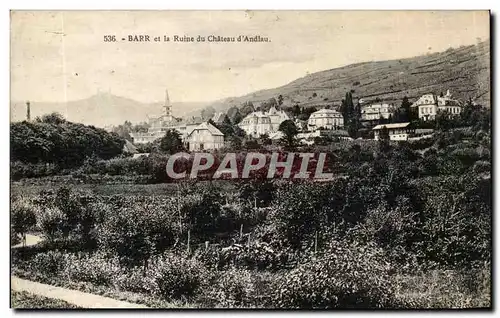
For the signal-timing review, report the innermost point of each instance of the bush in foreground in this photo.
(178, 277)
(346, 276)
(231, 288)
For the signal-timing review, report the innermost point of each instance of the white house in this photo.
(399, 131)
(204, 136)
(429, 105)
(325, 118)
(377, 111)
(259, 122)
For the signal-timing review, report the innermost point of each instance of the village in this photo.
(326, 123)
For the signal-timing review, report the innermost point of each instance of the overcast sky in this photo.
(58, 56)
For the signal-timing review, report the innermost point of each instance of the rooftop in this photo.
(326, 111)
(391, 126)
(211, 128)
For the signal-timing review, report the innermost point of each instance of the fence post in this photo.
(206, 245)
(241, 232)
(179, 208)
(189, 239)
(315, 242)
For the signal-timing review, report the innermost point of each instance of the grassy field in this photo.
(21, 188)
(24, 300)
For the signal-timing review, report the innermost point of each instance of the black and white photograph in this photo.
(250, 159)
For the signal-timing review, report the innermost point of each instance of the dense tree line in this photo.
(53, 140)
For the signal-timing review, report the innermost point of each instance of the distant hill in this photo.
(465, 71)
(101, 109)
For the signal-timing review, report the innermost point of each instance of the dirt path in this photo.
(75, 297)
(30, 240)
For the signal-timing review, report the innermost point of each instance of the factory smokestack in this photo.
(28, 111)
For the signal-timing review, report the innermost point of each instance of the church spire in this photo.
(168, 104)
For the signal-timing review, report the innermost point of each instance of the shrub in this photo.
(136, 280)
(482, 166)
(95, 268)
(14, 238)
(299, 210)
(261, 255)
(212, 258)
(202, 213)
(50, 263)
(23, 217)
(77, 213)
(346, 276)
(178, 277)
(51, 222)
(259, 192)
(445, 289)
(231, 288)
(135, 233)
(393, 229)
(19, 170)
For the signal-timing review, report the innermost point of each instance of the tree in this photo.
(237, 118)
(352, 128)
(355, 123)
(406, 105)
(66, 144)
(23, 218)
(289, 131)
(383, 139)
(266, 105)
(171, 142)
(306, 112)
(234, 115)
(53, 118)
(384, 133)
(296, 110)
(400, 116)
(357, 111)
(207, 112)
(124, 130)
(280, 100)
(382, 120)
(251, 144)
(265, 140)
(247, 108)
(347, 107)
(236, 142)
(272, 102)
(443, 121)
(141, 127)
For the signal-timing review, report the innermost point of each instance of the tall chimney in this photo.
(28, 111)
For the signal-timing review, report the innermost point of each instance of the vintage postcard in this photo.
(250, 159)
